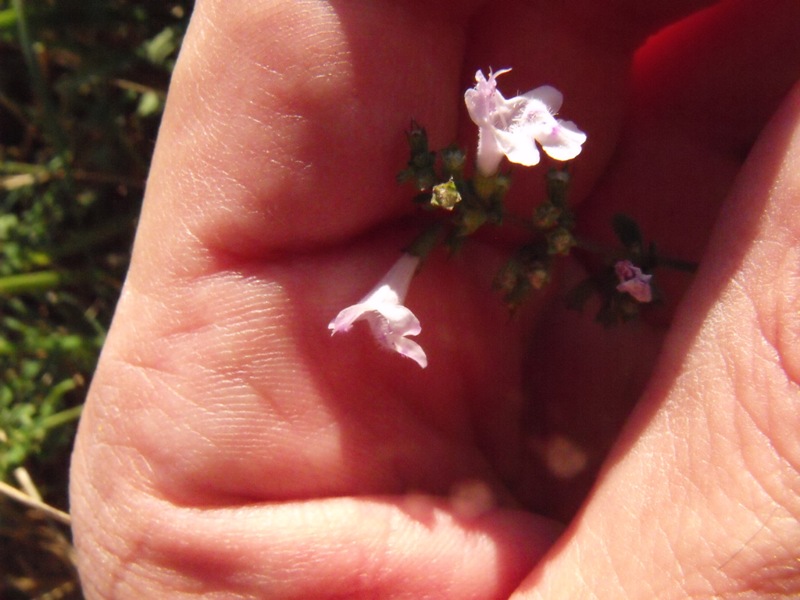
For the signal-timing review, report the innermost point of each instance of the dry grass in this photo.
(36, 553)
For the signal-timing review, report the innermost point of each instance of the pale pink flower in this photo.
(633, 281)
(512, 127)
(383, 309)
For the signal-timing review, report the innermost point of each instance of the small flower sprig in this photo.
(513, 129)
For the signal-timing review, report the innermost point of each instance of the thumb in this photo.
(701, 496)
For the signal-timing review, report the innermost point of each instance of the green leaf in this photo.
(8, 18)
(150, 103)
(628, 232)
(160, 47)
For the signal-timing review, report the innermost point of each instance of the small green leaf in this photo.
(150, 103)
(161, 46)
(628, 232)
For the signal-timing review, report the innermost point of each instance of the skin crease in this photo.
(230, 448)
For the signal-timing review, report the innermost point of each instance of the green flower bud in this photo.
(420, 168)
(501, 185)
(453, 159)
(484, 186)
(538, 276)
(508, 277)
(560, 241)
(446, 195)
(471, 220)
(546, 215)
(557, 185)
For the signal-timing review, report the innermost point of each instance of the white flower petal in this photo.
(399, 276)
(396, 319)
(384, 293)
(547, 95)
(638, 289)
(490, 154)
(388, 319)
(411, 349)
(564, 141)
(519, 149)
(633, 281)
(346, 317)
(477, 109)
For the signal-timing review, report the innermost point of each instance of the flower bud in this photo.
(557, 185)
(453, 160)
(420, 168)
(546, 215)
(446, 195)
(538, 275)
(484, 185)
(560, 241)
(471, 220)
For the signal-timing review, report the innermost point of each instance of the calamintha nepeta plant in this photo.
(509, 128)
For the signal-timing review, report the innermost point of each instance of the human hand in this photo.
(230, 448)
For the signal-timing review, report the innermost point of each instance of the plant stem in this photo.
(37, 80)
(425, 242)
(595, 248)
(117, 227)
(65, 416)
(39, 281)
(677, 264)
(23, 498)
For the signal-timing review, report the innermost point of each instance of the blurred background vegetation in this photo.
(82, 87)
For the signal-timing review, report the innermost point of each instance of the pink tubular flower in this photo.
(512, 127)
(383, 309)
(633, 281)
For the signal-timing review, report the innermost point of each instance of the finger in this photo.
(370, 547)
(313, 105)
(203, 319)
(685, 139)
(696, 110)
(700, 496)
(585, 50)
(287, 129)
(215, 387)
(254, 331)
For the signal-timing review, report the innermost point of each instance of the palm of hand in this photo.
(262, 457)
